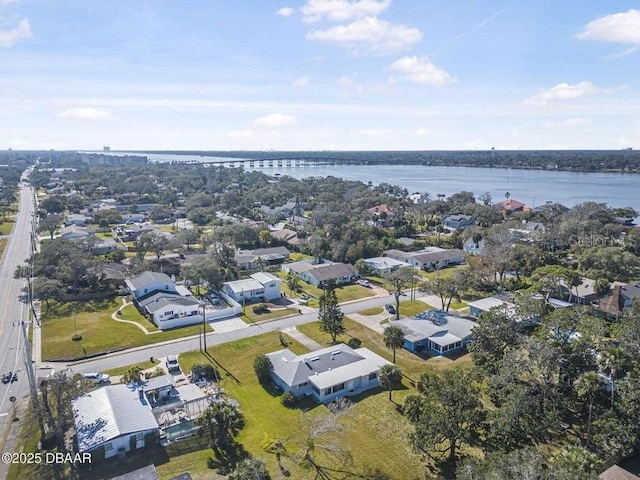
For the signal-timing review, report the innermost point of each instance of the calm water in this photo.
(533, 187)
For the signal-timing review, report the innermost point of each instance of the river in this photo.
(533, 187)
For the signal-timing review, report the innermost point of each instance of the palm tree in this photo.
(507, 195)
(393, 338)
(389, 376)
(587, 387)
(222, 421)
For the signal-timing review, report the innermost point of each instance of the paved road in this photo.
(174, 347)
(13, 310)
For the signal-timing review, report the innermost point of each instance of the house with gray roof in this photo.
(260, 257)
(171, 311)
(429, 258)
(458, 221)
(384, 266)
(260, 286)
(435, 331)
(149, 282)
(327, 374)
(114, 418)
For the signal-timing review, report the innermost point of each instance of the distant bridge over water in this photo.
(269, 163)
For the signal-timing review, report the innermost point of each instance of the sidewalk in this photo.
(308, 342)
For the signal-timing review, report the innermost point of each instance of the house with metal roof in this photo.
(260, 286)
(115, 418)
(327, 374)
(171, 311)
(429, 258)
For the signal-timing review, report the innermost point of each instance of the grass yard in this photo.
(410, 364)
(411, 307)
(132, 314)
(444, 273)
(297, 256)
(143, 365)
(250, 316)
(3, 245)
(100, 333)
(458, 305)
(5, 227)
(374, 430)
(372, 311)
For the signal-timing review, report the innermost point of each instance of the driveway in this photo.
(228, 325)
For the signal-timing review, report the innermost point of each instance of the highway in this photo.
(14, 308)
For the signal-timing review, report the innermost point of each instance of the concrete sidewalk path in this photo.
(308, 342)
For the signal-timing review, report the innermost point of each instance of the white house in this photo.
(429, 258)
(260, 286)
(435, 331)
(114, 418)
(322, 273)
(472, 247)
(383, 266)
(327, 374)
(171, 311)
(149, 282)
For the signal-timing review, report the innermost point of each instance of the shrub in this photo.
(158, 372)
(260, 308)
(354, 342)
(288, 400)
(201, 371)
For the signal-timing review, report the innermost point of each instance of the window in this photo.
(373, 376)
(139, 436)
(108, 446)
(337, 388)
(327, 391)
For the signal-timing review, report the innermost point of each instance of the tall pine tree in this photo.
(330, 316)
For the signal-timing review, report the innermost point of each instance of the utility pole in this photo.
(204, 328)
(30, 373)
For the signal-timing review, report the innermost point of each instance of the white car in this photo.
(172, 363)
(97, 377)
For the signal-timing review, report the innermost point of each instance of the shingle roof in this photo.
(617, 473)
(109, 412)
(145, 278)
(437, 256)
(454, 330)
(331, 271)
(163, 302)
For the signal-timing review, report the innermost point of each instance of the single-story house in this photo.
(72, 232)
(260, 286)
(107, 245)
(171, 311)
(260, 257)
(319, 274)
(429, 258)
(435, 331)
(77, 219)
(383, 266)
(582, 294)
(485, 304)
(612, 305)
(528, 231)
(630, 292)
(472, 247)
(149, 282)
(406, 241)
(130, 218)
(458, 221)
(381, 215)
(288, 236)
(327, 374)
(113, 418)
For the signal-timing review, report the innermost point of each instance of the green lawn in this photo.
(458, 305)
(142, 365)
(372, 311)
(345, 293)
(3, 244)
(411, 307)
(100, 333)
(252, 317)
(375, 432)
(444, 273)
(5, 227)
(132, 314)
(410, 364)
(297, 256)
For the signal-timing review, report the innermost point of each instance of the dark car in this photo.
(6, 378)
(390, 308)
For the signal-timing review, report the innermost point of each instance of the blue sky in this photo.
(319, 74)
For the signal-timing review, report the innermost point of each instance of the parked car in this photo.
(364, 283)
(6, 378)
(97, 377)
(390, 308)
(172, 363)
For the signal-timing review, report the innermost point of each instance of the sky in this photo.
(319, 74)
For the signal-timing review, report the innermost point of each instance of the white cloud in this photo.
(422, 132)
(341, 10)
(8, 38)
(370, 35)
(616, 28)
(285, 12)
(85, 114)
(7, 2)
(563, 91)
(376, 133)
(569, 122)
(240, 134)
(276, 120)
(345, 82)
(420, 70)
(301, 81)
